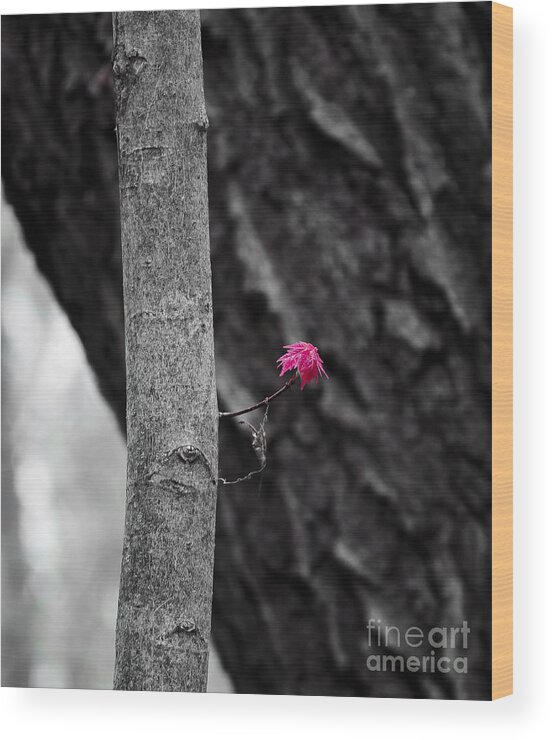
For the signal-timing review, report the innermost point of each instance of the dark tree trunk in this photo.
(349, 170)
(59, 167)
(165, 601)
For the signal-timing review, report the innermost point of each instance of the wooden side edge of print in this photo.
(502, 353)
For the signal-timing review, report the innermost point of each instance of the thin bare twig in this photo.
(259, 445)
(264, 402)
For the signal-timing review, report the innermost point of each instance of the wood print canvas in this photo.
(256, 350)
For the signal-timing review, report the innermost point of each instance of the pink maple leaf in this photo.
(304, 358)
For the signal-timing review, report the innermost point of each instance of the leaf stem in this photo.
(264, 402)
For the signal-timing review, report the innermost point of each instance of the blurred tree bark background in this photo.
(349, 182)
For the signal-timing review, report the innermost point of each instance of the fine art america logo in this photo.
(436, 650)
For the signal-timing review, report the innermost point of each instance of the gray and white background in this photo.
(349, 175)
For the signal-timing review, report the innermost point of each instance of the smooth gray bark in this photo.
(167, 569)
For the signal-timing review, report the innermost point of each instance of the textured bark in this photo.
(349, 154)
(164, 619)
(349, 188)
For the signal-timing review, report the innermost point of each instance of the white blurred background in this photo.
(63, 484)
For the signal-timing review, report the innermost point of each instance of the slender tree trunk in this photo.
(167, 570)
